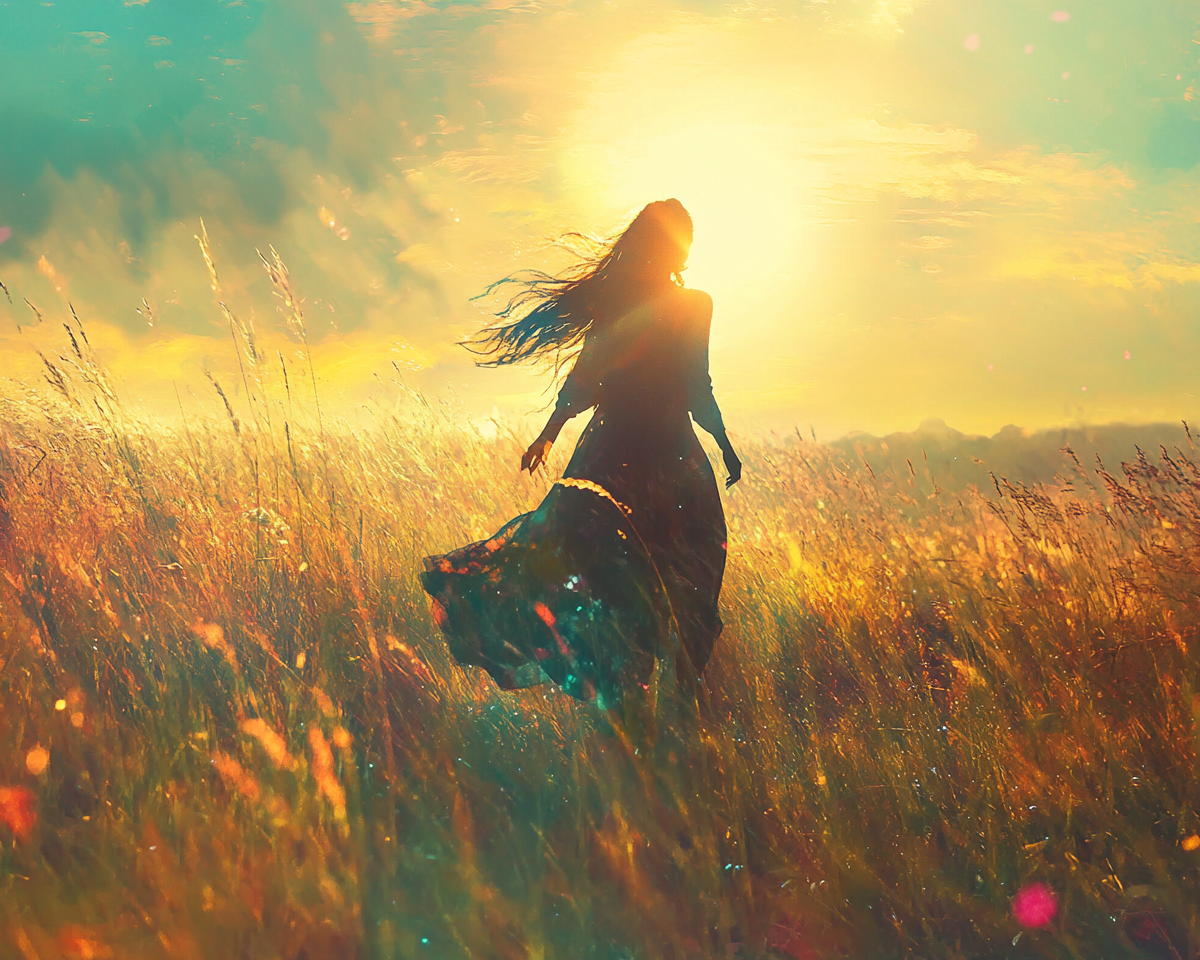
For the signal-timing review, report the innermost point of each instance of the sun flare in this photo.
(743, 187)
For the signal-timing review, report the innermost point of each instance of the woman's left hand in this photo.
(535, 456)
(733, 465)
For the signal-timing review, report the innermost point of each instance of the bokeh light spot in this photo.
(37, 759)
(1035, 905)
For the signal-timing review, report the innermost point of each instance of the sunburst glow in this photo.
(744, 189)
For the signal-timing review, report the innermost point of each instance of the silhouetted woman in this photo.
(621, 563)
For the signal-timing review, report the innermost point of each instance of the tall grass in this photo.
(228, 727)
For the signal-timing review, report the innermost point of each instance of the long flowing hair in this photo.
(547, 317)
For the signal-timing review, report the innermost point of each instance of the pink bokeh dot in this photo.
(5, 233)
(1035, 905)
(1060, 16)
(972, 42)
(1126, 354)
(1029, 48)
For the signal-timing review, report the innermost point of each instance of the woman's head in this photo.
(608, 280)
(657, 242)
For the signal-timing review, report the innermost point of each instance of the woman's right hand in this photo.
(733, 465)
(535, 456)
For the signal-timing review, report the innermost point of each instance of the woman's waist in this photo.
(663, 405)
(650, 432)
(646, 419)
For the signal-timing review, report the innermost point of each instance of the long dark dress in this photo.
(622, 561)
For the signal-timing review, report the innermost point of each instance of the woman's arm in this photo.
(701, 402)
(580, 392)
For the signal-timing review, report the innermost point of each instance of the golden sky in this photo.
(905, 209)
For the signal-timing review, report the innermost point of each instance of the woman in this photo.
(621, 563)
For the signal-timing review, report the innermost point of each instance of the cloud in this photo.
(1153, 275)
(928, 242)
(480, 166)
(892, 14)
(384, 19)
(1099, 260)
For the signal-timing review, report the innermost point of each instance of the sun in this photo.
(733, 131)
(744, 193)
(744, 184)
(701, 116)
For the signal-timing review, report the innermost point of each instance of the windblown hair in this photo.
(549, 316)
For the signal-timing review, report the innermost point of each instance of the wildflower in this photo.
(272, 742)
(214, 638)
(76, 941)
(324, 702)
(17, 810)
(323, 771)
(232, 773)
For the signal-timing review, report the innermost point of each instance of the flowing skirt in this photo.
(620, 564)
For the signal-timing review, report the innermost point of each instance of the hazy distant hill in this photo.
(955, 460)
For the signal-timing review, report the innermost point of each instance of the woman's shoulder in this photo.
(689, 305)
(697, 299)
(697, 307)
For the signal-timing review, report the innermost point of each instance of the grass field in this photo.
(228, 727)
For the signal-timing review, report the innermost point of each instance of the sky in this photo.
(977, 211)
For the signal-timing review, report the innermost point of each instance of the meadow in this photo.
(229, 727)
